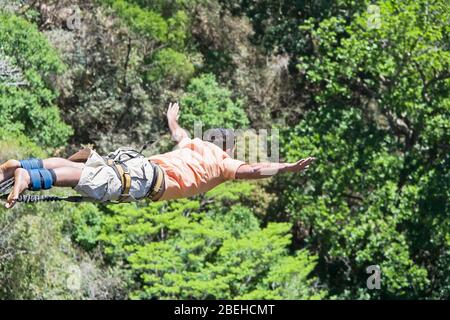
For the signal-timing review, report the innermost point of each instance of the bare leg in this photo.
(65, 177)
(7, 169)
(53, 163)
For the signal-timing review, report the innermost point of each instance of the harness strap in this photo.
(122, 172)
(124, 177)
(157, 183)
(126, 181)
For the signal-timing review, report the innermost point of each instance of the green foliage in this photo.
(145, 22)
(379, 133)
(37, 258)
(275, 22)
(170, 67)
(177, 252)
(231, 191)
(15, 145)
(129, 58)
(29, 106)
(33, 267)
(85, 225)
(367, 95)
(206, 101)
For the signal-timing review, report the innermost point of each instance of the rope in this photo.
(5, 185)
(33, 198)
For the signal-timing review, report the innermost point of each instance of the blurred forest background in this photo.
(361, 85)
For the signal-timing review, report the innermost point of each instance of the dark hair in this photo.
(220, 137)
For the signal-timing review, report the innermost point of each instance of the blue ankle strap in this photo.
(31, 163)
(40, 179)
(35, 178)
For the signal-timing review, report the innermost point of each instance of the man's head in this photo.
(223, 138)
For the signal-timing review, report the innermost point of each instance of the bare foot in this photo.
(21, 182)
(7, 169)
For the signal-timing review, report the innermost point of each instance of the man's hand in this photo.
(176, 131)
(300, 165)
(172, 112)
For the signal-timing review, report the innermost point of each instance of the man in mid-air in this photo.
(194, 167)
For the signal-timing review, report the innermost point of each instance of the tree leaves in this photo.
(370, 133)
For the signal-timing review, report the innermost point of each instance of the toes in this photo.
(10, 203)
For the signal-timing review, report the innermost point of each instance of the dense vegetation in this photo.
(363, 86)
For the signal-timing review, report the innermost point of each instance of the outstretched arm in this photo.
(266, 170)
(176, 131)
